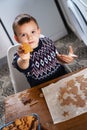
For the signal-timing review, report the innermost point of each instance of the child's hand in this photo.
(22, 55)
(67, 58)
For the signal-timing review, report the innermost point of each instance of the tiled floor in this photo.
(79, 48)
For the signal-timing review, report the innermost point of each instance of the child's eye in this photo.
(33, 31)
(23, 35)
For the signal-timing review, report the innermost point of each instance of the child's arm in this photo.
(23, 61)
(67, 58)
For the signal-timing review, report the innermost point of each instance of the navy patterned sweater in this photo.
(43, 65)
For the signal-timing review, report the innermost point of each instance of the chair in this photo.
(67, 68)
(18, 80)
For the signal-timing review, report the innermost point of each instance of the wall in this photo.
(45, 11)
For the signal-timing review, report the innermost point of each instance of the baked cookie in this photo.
(26, 48)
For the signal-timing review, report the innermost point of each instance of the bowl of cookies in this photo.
(28, 122)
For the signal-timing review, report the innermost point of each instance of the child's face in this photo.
(28, 33)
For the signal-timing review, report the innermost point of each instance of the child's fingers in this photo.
(65, 58)
(73, 55)
(20, 50)
(70, 50)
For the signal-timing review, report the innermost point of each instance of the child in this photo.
(44, 62)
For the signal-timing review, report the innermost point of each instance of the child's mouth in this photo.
(31, 42)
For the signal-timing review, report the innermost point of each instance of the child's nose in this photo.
(29, 37)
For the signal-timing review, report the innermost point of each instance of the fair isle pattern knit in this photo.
(44, 61)
(43, 64)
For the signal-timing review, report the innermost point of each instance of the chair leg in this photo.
(67, 68)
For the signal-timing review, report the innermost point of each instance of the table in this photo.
(14, 108)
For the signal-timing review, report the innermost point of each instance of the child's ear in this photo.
(16, 38)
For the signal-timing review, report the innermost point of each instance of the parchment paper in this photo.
(67, 98)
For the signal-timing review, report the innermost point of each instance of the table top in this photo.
(33, 101)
